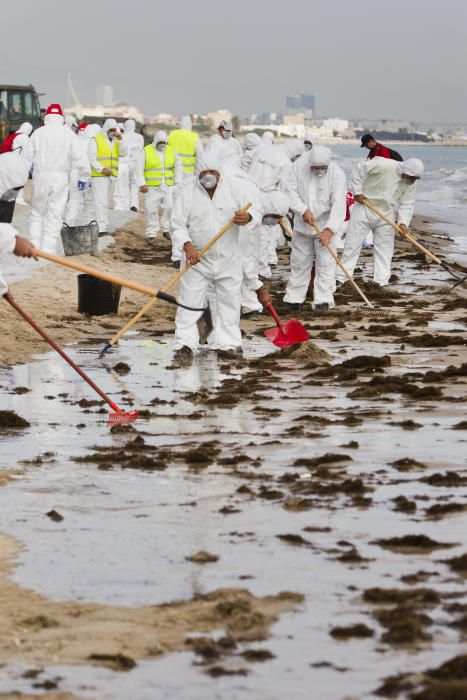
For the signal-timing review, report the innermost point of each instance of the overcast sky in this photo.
(404, 59)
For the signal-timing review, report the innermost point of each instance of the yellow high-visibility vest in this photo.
(184, 143)
(108, 155)
(153, 170)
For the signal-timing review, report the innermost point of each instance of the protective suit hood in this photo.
(252, 140)
(208, 161)
(109, 124)
(53, 119)
(25, 128)
(70, 121)
(92, 130)
(14, 172)
(275, 203)
(186, 123)
(268, 137)
(129, 126)
(412, 167)
(320, 155)
(158, 137)
(294, 148)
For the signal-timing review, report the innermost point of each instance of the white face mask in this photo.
(269, 220)
(208, 181)
(226, 135)
(161, 146)
(319, 172)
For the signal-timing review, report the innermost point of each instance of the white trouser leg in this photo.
(325, 274)
(167, 206)
(152, 202)
(227, 288)
(264, 233)
(301, 263)
(360, 225)
(248, 241)
(383, 237)
(75, 205)
(101, 190)
(134, 189)
(39, 199)
(193, 291)
(122, 187)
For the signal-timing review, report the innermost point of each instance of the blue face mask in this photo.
(208, 181)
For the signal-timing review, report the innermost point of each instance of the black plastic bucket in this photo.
(97, 297)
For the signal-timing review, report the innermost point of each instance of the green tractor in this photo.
(18, 104)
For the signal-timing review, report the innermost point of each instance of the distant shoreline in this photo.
(356, 142)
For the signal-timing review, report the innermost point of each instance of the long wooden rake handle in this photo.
(407, 236)
(173, 281)
(344, 270)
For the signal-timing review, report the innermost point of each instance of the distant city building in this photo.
(120, 111)
(336, 125)
(163, 118)
(300, 102)
(105, 95)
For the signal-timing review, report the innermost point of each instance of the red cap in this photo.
(54, 109)
(83, 126)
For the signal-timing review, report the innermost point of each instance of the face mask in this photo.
(208, 181)
(161, 146)
(308, 145)
(269, 220)
(319, 172)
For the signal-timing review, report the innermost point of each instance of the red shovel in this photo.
(288, 333)
(114, 418)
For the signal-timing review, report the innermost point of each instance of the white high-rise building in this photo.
(105, 95)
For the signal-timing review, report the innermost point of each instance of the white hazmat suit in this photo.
(162, 196)
(250, 144)
(126, 187)
(13, 173)
(198, 218)
(227, 149)
(54, 152)
(103, 186)
(325, 196)
(381, 181)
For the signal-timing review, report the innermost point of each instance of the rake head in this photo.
(373, 312)
(122, 417)
(205, 325)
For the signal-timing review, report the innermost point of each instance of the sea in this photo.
(441, 193)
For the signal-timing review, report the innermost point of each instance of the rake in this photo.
(369, 309)
(119, 416)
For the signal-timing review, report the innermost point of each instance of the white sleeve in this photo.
(338, 202)
(359, 174)
(198, 147)
(180, 215)
(92, 156)
(79, 161)
(122, 149)
(7, 238)
(289, 185)
(407, 205)
(140, 166)
(178, 170)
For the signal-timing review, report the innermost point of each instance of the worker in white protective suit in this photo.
(267, 138)
(104, 151)
(160, 170)
(126, 188)
(19, 143)
(391, 186)
(270, 164)
(307, 141)
(80, 190)
(225, 146)
(250, 144)
(202, 208)
(187, 145)
(273, 205)
(13, 175)
(317, 190)
(54, 152)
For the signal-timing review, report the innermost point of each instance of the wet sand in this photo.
(336, 473)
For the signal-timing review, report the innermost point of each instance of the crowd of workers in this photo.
(192, 191)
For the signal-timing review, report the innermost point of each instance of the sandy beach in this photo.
(328, 482)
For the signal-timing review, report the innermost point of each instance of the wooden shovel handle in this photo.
(344, 270)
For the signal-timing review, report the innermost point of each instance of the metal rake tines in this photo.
(374, 312)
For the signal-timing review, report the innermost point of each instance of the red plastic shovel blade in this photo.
(294, 332)
(122, 417)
